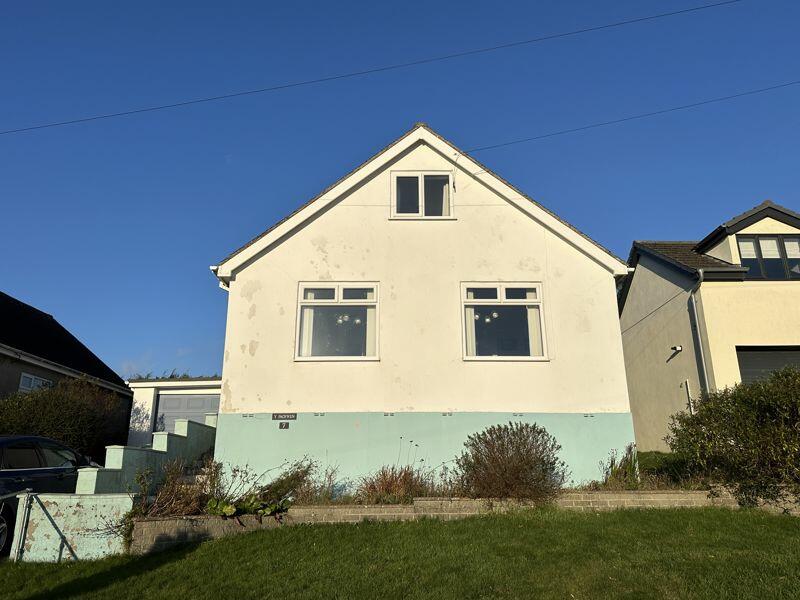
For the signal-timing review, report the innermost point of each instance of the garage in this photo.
(757, 362)
(184, 406)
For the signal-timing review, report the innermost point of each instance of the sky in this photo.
(111, 225)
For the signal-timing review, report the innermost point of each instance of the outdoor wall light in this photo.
(677, 348)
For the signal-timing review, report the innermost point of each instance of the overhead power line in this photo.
(352, 74)
(639, 116)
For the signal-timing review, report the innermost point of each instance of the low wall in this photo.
(69, 527)
(152, 535)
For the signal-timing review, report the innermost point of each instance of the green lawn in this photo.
(708, 553)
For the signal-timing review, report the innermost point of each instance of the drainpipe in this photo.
(696, 329)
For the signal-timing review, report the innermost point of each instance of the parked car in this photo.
(36, 463)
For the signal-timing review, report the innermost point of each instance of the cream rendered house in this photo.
(418, 300)
(704, 315)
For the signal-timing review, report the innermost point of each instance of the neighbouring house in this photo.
(705, 315)
(158, 402)
(36, 350)
(417, 300)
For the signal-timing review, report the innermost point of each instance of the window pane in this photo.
(521, 294)
(26, 383)
(337, 331)
(747, 248)
(747, 252)
(358, 294)
(481, 293)
(498, 330)
(792, 246)
(407, 195)
(769, 248)
(58, 456)
(21, 456)
(772, 262)
(437, 198)
(319, 294)
(535, 327)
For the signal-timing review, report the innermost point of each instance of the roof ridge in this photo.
(665, 241)
(25, 304)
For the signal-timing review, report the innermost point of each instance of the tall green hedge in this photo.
(746, 437)
(75, 412)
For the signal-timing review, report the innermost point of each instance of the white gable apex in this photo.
(419, 134)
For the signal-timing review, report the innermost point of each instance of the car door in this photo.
(62, 465)
(22, 467)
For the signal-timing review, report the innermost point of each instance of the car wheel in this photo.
(6, 531)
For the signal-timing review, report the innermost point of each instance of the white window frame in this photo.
(337, 299)
(420, 214)
(501, 299)
(35, 379)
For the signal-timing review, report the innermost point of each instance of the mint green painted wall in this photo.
(359, 443)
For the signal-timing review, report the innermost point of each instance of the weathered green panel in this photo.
(358, 443)
(64, 527)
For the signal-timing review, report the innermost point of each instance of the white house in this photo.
(703, 315)
(419, 299)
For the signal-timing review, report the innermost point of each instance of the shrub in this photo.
(747, 437)
(394, 485)
(322, 487)
(175, 496)
(74, 412)
(517, 460)
(620, 472)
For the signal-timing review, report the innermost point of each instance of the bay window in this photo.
(337, 321)
(503, 321)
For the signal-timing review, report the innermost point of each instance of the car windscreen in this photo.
(57, 456)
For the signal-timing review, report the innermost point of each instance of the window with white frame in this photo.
(423, 194)
(337, 321)
(28, 382)
(503, 321)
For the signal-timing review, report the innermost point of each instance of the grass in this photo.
(696, 553)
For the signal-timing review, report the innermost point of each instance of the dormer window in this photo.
(770, 256)
(421, 195)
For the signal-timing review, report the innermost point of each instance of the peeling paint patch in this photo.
(226, 396)
(253, 347)
(250, 289)
(320, 243)
(252, 312)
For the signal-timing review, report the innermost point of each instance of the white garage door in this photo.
(184, 406)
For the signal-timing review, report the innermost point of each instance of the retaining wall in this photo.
(152, 535)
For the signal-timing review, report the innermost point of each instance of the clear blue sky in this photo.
(111, 225)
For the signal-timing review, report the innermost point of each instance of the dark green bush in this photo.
(74, 412)
(746, 437)
(517, 460)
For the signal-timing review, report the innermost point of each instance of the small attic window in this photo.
(421, 195)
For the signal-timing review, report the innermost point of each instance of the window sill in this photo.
(506, 359)
(418, 218)
(303, 359)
